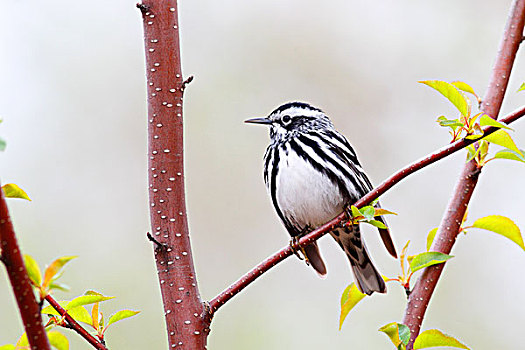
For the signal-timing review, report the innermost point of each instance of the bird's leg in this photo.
(296, 248)
(349, 217)
(294, 244)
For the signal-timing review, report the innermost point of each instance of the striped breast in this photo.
(307, 186)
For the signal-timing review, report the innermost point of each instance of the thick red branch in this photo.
(276, 258)
(74, 324)
(451, 222)
(25, 298)
(183, 309)
(16, 270)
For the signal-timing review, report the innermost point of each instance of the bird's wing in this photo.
(342, 148)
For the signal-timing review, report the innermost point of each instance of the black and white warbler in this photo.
(312, 174)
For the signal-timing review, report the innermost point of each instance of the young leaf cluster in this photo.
(44, 284)
(94, 318)
(409, 265)
(470, 126)
(368, 214)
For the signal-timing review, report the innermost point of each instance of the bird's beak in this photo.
(259, 121)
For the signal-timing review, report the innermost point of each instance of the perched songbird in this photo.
(312, 174)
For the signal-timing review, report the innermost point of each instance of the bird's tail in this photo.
(314, 257)
(367, 278)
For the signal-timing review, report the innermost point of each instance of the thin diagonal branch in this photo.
(451, 223)
(74, 324)
(282, 254)
(25, 298)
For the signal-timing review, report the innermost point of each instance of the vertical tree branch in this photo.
(186, 323)
(451, 222)
(11, 256)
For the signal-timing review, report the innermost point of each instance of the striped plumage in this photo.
(312, 174)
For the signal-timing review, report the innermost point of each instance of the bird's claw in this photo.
(296, 248)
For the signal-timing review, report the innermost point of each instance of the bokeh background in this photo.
(72, 96)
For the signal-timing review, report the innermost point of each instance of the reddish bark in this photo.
(12, 258)
(451, 222)
(184, 310)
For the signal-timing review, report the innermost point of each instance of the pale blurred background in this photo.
(73, 102)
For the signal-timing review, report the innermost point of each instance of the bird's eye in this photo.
(286, 119)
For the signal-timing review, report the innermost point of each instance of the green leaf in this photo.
(355, 211)
(522, 87)
(55, 268)
(60, 286)
(33, 271)
(85, 300)
(381, 211)
(434, 337)
(351, 296)
(92, 292)
(452, 123)
(472, 152)
(501, 225)
(422, 260)
(473, 137)
(465, 87)
(485, 120)
(49, 310)
(80, 314)
(3, 145)
(120, 315)
(502, 138)
(58, 340)
(430, 237)
(13, 191)
(368, 212)
(95, 315)
(398, 333)
(22, 342)
(509, 154)
(377, 224)
(451, 93)
(7, 347)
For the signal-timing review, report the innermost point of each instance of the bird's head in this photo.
(291, 118)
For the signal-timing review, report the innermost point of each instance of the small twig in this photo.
(159, 246)
(143, 8)
(407, 291)
(186, 82)
(74, 324)
(282, 254)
